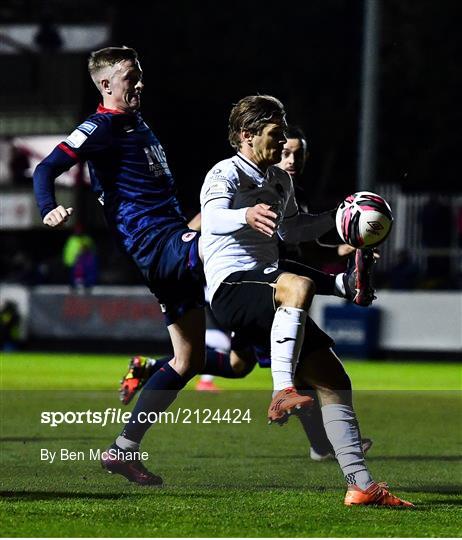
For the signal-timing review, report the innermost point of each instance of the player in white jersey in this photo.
(245, 200)
(269, 199)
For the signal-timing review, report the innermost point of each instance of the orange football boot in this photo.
(376, 494)
(139, 371)
(286, 402)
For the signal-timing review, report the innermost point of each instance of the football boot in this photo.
(286, 402)
(375, 494)
(134, 471)
(140, 369)
(358, 277)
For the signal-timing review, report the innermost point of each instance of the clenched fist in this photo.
(58, 216)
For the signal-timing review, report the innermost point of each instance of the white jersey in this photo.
(234, 184)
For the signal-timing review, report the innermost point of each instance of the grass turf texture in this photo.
(226, 479)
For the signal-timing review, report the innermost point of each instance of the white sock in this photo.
(339, 289)
(343, 433)
(287, 335)
(127, 444)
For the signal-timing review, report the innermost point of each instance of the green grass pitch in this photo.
(226, 479)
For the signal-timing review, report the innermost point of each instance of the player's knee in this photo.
(241, 364)
(188, 362)
(243, 369)
(295, 291)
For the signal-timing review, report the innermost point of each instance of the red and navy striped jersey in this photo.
(129, 173)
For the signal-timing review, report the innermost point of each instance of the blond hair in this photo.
(108, 58)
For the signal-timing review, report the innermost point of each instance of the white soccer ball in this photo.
(364, 219)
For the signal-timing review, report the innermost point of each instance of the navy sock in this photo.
(157, 395)
(160, 362)
(218, 363)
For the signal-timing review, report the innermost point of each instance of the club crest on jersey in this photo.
(88, 127)
(269, 270)
(188, 236)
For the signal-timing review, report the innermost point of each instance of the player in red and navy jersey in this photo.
(131, 178)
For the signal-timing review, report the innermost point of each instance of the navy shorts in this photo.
(177, 276)
(245, 303)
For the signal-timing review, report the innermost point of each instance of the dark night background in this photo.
(201, 57)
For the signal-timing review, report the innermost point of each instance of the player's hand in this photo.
(58, 216)
(261, 218)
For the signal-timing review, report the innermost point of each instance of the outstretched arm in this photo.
(299, 227)
(45, 175)
(305, 227)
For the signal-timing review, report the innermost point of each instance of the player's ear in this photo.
(106, 86)
(246, 136)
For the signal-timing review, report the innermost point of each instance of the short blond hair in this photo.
(108, 58)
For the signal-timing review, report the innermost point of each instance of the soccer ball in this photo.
(364, 219)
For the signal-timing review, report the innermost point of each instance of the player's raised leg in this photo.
(217, 363)
(357, 280)
(293, 296)
(355, 284)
